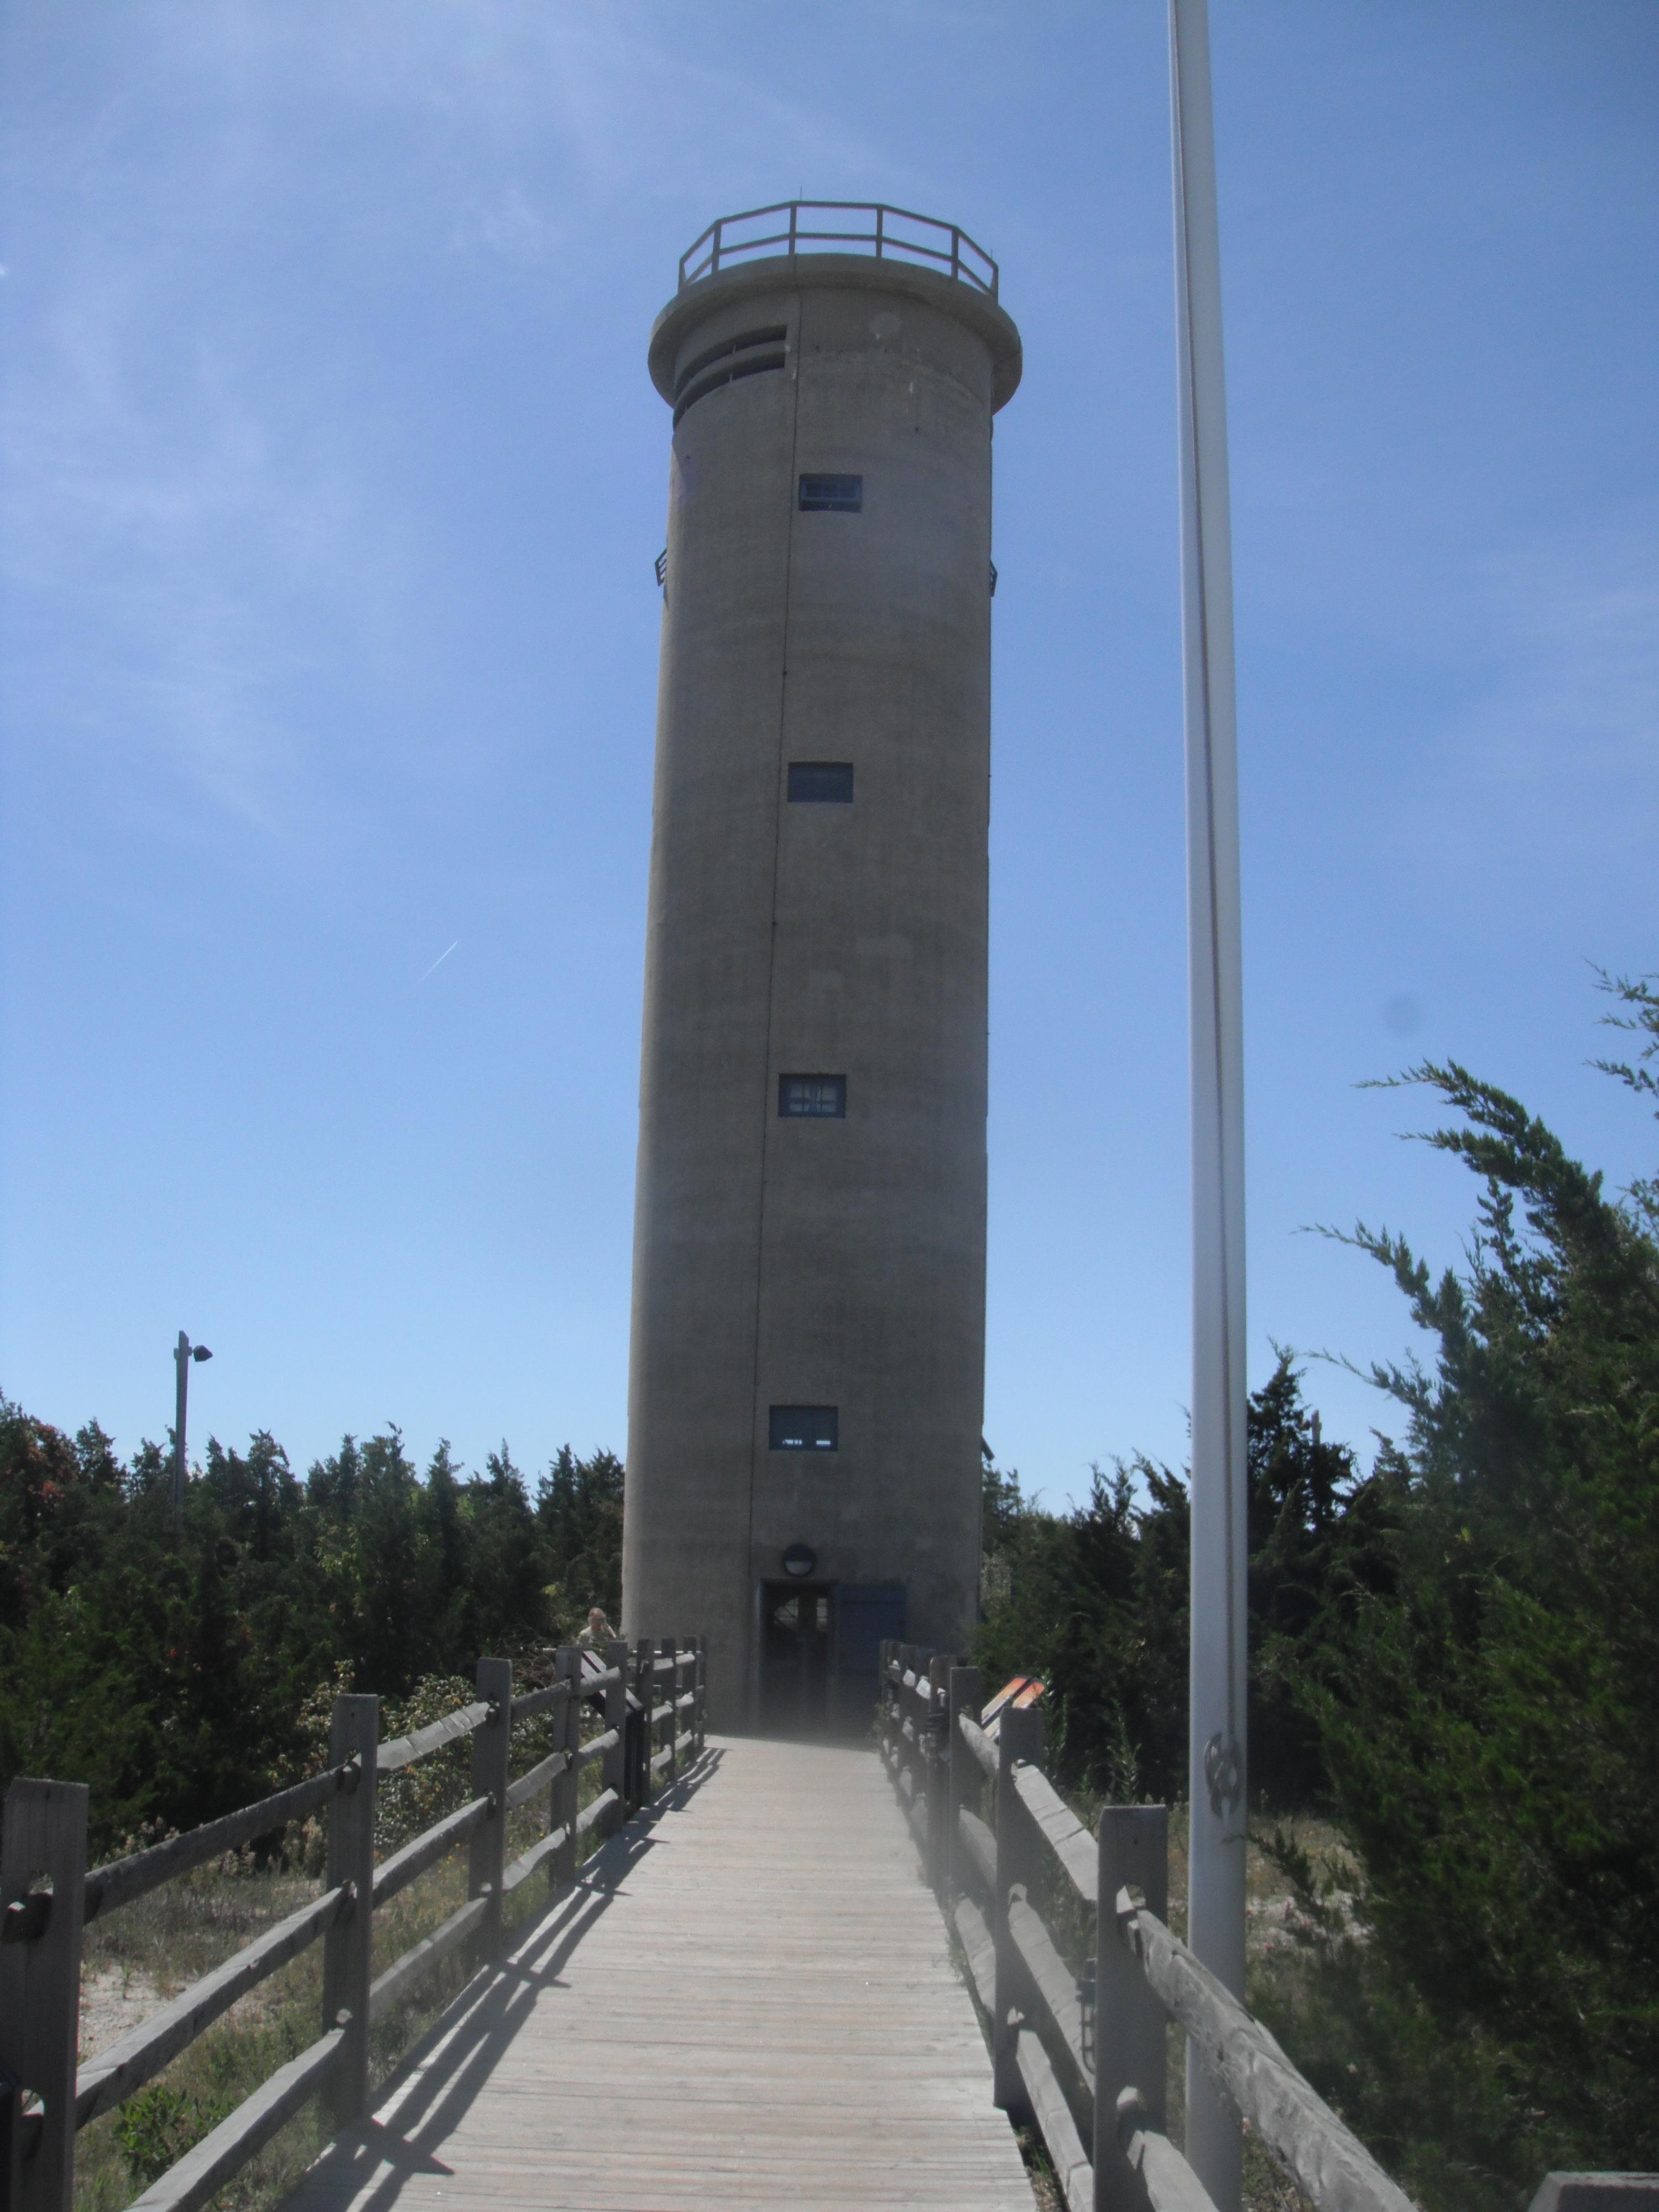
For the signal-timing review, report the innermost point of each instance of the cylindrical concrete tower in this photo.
(806, 1390)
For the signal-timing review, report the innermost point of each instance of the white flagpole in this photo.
(1215, 1921)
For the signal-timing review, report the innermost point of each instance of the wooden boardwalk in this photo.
(748, 2001)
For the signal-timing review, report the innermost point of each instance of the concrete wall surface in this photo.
(823, 1260)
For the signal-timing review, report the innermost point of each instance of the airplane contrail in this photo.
(440, 961)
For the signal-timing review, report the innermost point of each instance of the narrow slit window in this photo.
(813, 1098)
(693, 369)
(805, 1428)
(820, 783)
(832, 495)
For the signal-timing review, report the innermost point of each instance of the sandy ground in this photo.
(113, 1999)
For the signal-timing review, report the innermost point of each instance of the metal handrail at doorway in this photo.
(890, 233)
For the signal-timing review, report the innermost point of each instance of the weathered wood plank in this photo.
(1067, 2156)
(1056, 1985)
(978, 1743)
(916, 1813)
(614, 1773)
(348, 1937)
(594, 1815)
(405, 1750)
(204, 2171)
(1131, 2032)
(1059, 1828)
(565, 1800)
(426, 1849)
(400, 1980)
(597, 1746)
(110, 2078)
(539, 1701)
(708, 2021)
(545, 1771)
(45, 1836)
(539, 1852)
(643, 1664)
(492, 1748)
(1019, 1859)
(981, 1846)
(981, 1950)
(119, 1882)
(1170, 2183)
(964, 1782)
(1329, 2162)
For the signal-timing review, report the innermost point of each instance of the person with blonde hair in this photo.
(599, 1632)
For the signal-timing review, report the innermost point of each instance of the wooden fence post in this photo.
(671, 1651)
(492, 1751)
(46, 1839)
(908, 1745)
(613, 1772)
(703, 1693)
(965, 1782)
(11, 2142)
(565, 1800)
(354, 1734)
(645, 1688)
(939, 1771)
(1129, 2028)
(1020, 1739)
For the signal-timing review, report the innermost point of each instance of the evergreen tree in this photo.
(178, 1679)
(1488, 1719)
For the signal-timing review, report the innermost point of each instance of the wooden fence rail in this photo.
(1082, 2056)
(650, 1702)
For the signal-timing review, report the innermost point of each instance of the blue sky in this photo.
(334, 481)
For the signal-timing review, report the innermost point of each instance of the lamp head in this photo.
(200, 1352)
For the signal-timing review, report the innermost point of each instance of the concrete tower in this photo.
(806, 1390)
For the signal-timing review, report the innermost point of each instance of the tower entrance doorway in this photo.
(819, 1644)
(796, 1642)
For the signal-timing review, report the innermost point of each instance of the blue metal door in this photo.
(865, 1613)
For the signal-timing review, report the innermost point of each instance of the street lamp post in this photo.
(183, 1352)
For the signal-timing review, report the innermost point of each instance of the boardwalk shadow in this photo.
(437, 2081)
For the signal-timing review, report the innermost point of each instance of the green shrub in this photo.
(156, 2128)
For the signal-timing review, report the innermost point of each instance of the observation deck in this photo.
(831, 244)
(868, 227)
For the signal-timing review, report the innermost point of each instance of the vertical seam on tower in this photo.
(771, 976)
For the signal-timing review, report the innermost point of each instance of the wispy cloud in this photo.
(440, 961)
(199, 535)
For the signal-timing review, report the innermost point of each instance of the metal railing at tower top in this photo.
(887, 233)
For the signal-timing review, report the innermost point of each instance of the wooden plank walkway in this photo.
(749, 2001)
